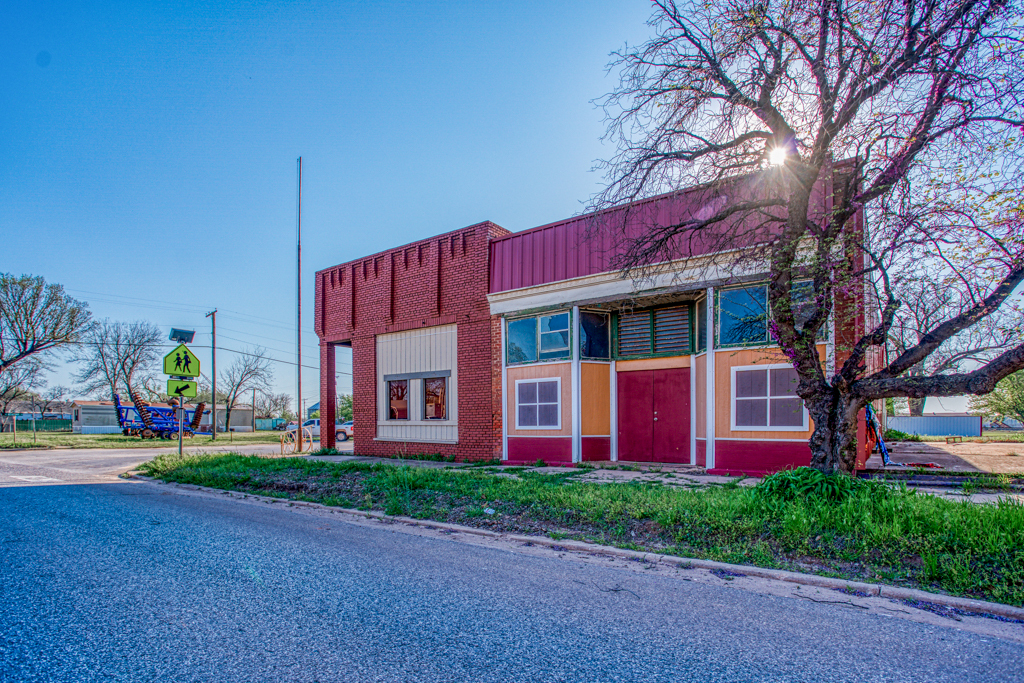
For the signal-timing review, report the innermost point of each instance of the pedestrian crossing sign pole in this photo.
(183, 367)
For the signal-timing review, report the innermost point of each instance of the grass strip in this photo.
(879, 532)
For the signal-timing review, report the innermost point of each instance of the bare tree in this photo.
(754, 102)
(116, 354)
(926, 304)
(19, 382)
(52, 397)
(271, 405)
(250, 370)
(36, 317)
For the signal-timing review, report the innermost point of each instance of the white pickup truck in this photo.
(342, 431)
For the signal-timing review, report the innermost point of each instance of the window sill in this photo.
(400, 440)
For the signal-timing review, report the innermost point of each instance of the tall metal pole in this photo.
(298, 283)
(213, 349)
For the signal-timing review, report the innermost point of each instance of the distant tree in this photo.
(271, 405)
(314, 415)
(36, 317)
(1007, 400)
(793, 120)
(116, 354)
(926, 303)
(250, 370)
(18, 383)
(52, 397)
(345, 407)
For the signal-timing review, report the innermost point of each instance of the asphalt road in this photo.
(132, 581)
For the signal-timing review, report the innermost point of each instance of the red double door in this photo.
(654, 415)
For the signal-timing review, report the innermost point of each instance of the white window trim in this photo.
(515, 403)
(732, 401)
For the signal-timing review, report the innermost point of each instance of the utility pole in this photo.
(298, 283)
(213, 349)
(254, 410)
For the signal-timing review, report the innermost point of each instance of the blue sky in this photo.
(148, 150)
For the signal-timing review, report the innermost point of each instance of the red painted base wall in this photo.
(596, 448)
(759, 457)
(556, 449)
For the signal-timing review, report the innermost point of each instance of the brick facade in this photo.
(439, 281)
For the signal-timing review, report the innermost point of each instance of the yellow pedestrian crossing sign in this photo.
(181, 363)
(182, 388)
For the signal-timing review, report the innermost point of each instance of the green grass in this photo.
(69, 440)
(864, 530)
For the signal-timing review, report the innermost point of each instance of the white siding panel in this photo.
(425, 350)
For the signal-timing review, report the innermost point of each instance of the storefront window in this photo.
(743, 315)
(435, 399)
(398, 399)
(544, 337)
(594, 335)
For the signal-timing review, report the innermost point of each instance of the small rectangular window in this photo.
(554, 336)
(398, 399)
(435, 398)
(538, 404)
(743, 315)
(594, 342)
(765, 398)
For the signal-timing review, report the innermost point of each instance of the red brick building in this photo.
(413, 314)
(482, 344)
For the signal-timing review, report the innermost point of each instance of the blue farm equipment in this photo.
(150, 422)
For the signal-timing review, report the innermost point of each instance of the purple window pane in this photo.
(528, 392)
(787, 412)
(751, 383)
(527, 416)
(784, 381)
(752, 413)
(548, 415)
(547, 392)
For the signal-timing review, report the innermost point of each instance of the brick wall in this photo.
(438, 281)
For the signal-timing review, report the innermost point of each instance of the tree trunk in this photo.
(227, 419)
(834, 440)
(916, 406)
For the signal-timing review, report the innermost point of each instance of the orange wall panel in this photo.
(595, 399)
(653, 363)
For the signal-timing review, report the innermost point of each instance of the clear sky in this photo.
(147, 149)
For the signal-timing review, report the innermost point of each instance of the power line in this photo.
(168, 345)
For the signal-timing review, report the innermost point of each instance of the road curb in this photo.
(873, 589)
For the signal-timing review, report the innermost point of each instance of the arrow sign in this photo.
(181, 363)
(182, 388)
